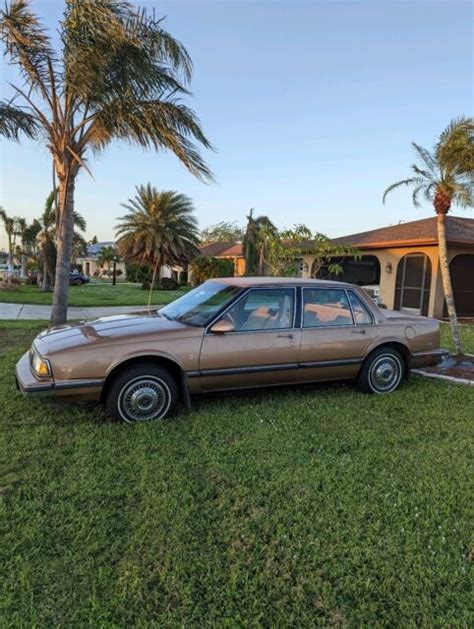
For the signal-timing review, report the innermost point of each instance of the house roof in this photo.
(459, 230)
(94, 250)
(226, 249)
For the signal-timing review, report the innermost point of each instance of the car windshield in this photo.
(199, 306)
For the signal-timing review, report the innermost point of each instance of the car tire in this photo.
(383, 371)
(143, 393)
(77, 282)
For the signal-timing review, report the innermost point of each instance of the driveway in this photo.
(30, 311)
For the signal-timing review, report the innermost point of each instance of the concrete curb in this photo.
(438, 376)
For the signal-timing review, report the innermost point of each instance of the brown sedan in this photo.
(229, 333)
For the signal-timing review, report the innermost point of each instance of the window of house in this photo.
(325, 307)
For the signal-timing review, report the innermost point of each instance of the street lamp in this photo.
(114, 277)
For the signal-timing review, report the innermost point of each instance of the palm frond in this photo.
(404, 182)
(428, 159)
(153, 124)
(27, 44)
(14, 121)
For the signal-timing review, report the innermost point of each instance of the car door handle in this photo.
(285, 336)
(357, 331)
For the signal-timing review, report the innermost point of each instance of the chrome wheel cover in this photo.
(144, 399)
(385, 374)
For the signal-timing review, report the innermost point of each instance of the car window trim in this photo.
(242, 296)
(322, 327)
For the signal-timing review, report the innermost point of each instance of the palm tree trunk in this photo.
(24, 261)
(65, 235)
(46, 283)
(446, 279)
(261, 260)
(153, 279)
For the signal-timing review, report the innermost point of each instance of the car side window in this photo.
(269, 309)
(361, 313)
(325, 307)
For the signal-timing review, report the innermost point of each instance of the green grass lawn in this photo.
(289, 507)
(467, 338)
(93, 295)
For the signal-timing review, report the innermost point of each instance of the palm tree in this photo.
(47, 239)
(117, 76)
(445, 176)
(106, 256)
(259, 236)
(159, 229)
(27, 234)
(9, 224)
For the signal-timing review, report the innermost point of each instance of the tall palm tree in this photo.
(47, 239)
(117, 76)
(445, 176)
(159, 229)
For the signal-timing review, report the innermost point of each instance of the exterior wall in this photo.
(388, 279)
(90, 266)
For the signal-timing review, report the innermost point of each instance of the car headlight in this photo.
(40, 365)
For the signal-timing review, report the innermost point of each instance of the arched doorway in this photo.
(363, 271)
(462, 274)
(412, 288)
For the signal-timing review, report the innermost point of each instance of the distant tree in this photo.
(10, 225)
(159, 229)
(285, 252)
(259, 236)
(27, 234)
(117, 75)
(445, 176)
(222, 232)
(47, 240)
(106, 256)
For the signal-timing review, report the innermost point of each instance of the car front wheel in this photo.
(382, 372)
(143, 393)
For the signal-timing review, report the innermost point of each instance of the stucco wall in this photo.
(388, 279)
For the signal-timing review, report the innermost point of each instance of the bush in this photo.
(10, 285)
(118, 272)
(166, 283)
(206, 267)
(137, 272)
(32, 280)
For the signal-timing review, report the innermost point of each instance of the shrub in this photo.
(206, 267)
(118, 272)
(137, 272)
(10, 285)
(168, 283)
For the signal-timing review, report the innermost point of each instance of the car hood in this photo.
(112, 330)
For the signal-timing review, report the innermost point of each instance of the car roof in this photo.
(246, 282)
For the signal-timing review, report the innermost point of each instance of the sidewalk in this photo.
(30, 311)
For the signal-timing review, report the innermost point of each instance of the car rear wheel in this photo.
(143, 393)
(382, 372)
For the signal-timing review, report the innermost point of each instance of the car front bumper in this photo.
(28, 383)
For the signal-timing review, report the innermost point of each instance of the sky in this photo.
(311, 106)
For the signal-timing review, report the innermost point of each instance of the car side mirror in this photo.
(223, 326)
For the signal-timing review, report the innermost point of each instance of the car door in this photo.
(262, 347)
(337, 330)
